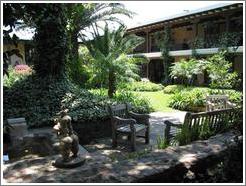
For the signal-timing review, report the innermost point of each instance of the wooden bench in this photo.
(216, 102)
(215, 119)
(128, 123)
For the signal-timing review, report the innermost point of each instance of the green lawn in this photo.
(158, 100)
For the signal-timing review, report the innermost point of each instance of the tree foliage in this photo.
(50, 39)
(185, 70)
(109, 52)
(81, 16)
(220, 72)
(218, 69)
(12, 14)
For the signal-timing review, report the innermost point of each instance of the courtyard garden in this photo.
(82, 86)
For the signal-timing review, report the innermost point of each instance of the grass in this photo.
(158, 100)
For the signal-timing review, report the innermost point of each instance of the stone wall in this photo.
(90, 130)
(172, 164)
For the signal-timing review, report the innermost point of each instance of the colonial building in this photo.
(21, 51)
(211, 26)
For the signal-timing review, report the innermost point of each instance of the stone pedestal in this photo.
(71, 163)
(19, 129)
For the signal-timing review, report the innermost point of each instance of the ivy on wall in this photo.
(164, 42)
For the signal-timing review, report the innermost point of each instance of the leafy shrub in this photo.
(13, 77)
(205, 131)
(218, 69)
(78, 72)
(184, 71)
(170, 89)
(193, 99)
(188, 100)
(40, 100)
(161, 142)
(138, 104)
(185, 136)
(234, 96)
(141, 86)
(179, 101)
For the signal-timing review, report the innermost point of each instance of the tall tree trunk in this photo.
(51, 40)
(111, 83)
(74, 46)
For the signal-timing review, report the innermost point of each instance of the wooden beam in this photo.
(147, 41)
(195, 28)
(227, 23)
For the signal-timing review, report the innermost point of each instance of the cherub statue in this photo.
(69, 141)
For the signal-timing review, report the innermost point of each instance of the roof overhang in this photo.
(185, 17)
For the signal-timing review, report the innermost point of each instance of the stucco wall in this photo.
(14, 58)
(181, 34)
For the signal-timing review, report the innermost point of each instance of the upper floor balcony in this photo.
(204, 29)
(210, 41)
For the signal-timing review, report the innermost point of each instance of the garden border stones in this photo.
(169, 165)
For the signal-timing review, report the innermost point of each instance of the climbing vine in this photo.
(164, 42)
(197, 43)
(50, 39)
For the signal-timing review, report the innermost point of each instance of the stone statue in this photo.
(68, 140)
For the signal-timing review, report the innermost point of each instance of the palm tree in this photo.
(109, 52)
(84, 15)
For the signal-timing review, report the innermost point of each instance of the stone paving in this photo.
(123, 151)
(157, 128)
(168, 165)
(104, 164)
(157, 125)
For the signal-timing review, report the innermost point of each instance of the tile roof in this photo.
(160, 20)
